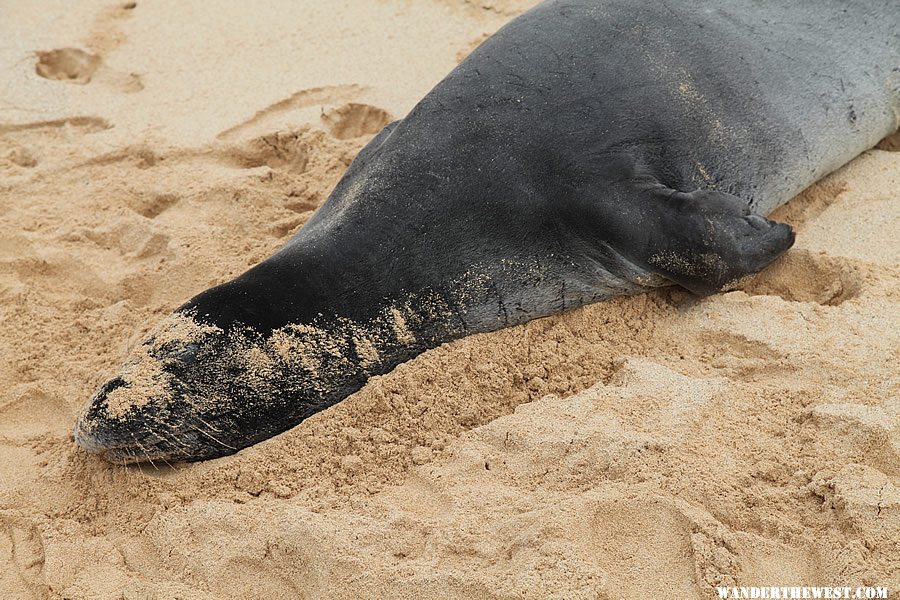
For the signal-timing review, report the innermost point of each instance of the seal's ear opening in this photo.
(712, 241)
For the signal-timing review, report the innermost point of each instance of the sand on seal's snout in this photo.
(652, 446)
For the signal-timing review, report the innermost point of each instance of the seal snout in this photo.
(125, 421)
(153, 410)
(85, 437)
(119, 437)
(89, 432)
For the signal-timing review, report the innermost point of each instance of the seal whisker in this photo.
(207, 424)
(159, 434)
(127, 453)
(173, 440)
(144, 450)
(210, 436)
(152, 436)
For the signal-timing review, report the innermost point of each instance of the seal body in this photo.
(590, 148)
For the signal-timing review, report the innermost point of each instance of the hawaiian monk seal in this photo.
(590, 148)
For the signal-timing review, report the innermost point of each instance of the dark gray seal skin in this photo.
(589, 149)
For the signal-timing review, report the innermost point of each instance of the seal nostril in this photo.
(86, 433)
(108, 387)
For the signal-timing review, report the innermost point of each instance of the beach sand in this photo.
(653, 446)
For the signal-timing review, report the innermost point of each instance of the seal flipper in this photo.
(707, 240)
(704, 241)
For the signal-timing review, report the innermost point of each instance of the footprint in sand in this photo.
(24, 146)
(21, 560)
(355, 120)
(74, 65)
(131, 237)
(21, 157)
(152, 205)
(284, 114)
(669, 547)
(805, 276)
(644, 546)
(32, 413)
(67, 64)
(57, 272)
(869, 431)
(863, 497)
(283, 150)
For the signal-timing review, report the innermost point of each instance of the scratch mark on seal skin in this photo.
(457, 311)
(501, 307)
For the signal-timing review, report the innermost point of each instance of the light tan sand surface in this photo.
(648, 447)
